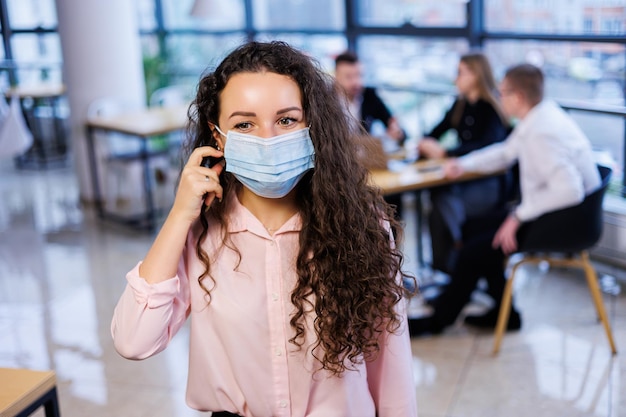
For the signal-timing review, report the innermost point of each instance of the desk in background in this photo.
(139, 125)
(42, 109)
(421, 175)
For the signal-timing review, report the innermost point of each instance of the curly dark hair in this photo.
(347, 268)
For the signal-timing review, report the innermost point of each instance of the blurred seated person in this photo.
(364, 103)
(478, 120)
(366, 106)
(556, 171)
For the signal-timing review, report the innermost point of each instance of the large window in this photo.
(410, 48)
(324, 48)
(29, 14)
(298, 15)
(37, 58)
(597, 17)
(221, 15)
(588, 71)
(32, 49)
(407, 61)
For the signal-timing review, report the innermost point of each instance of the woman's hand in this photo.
(198, 184)
(431, 149)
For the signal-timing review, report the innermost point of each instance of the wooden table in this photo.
(421, 175)
(36, 91)
(143, 123)
(138, 125)
(22, 391)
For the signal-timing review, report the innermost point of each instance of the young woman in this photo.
(478, 120)
(282, 256)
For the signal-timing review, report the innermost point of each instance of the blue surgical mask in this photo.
(269, 167)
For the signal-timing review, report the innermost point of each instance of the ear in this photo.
(216, 135)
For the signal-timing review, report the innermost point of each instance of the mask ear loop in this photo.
(220, 131)
(217, 146)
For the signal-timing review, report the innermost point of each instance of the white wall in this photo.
(101, 58)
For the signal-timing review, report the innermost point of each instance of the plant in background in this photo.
(155, 73)
(156, 76)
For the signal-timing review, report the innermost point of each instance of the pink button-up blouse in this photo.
(240, 359)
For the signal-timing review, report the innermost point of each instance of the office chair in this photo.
(572, 230)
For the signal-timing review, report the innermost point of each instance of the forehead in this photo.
(257, 88)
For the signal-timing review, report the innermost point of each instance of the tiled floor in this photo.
(61, 272)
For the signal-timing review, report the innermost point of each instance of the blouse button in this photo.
(469, 120)
(274, 296)
(283, 403)
(467, 135)
(278, 352)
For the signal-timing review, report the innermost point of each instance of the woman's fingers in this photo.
(201, 152)
(198, 183)
(213, 188)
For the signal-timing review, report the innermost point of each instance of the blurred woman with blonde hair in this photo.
(478, 120)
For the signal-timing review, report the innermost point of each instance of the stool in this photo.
(23, 391)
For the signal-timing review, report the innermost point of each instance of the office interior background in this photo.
(410, 50)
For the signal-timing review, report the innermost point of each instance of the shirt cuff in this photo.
(521, 214)
(152, 295)
(466, 163)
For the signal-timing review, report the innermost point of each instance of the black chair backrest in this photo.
(571, 229)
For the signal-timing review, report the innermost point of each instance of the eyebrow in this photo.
(288, 109)
(252, 114)
(242, 113)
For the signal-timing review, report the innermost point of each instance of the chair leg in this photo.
(594, 288)
(505, 309)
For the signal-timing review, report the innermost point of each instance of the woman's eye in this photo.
(243, 126)
(287, 121)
